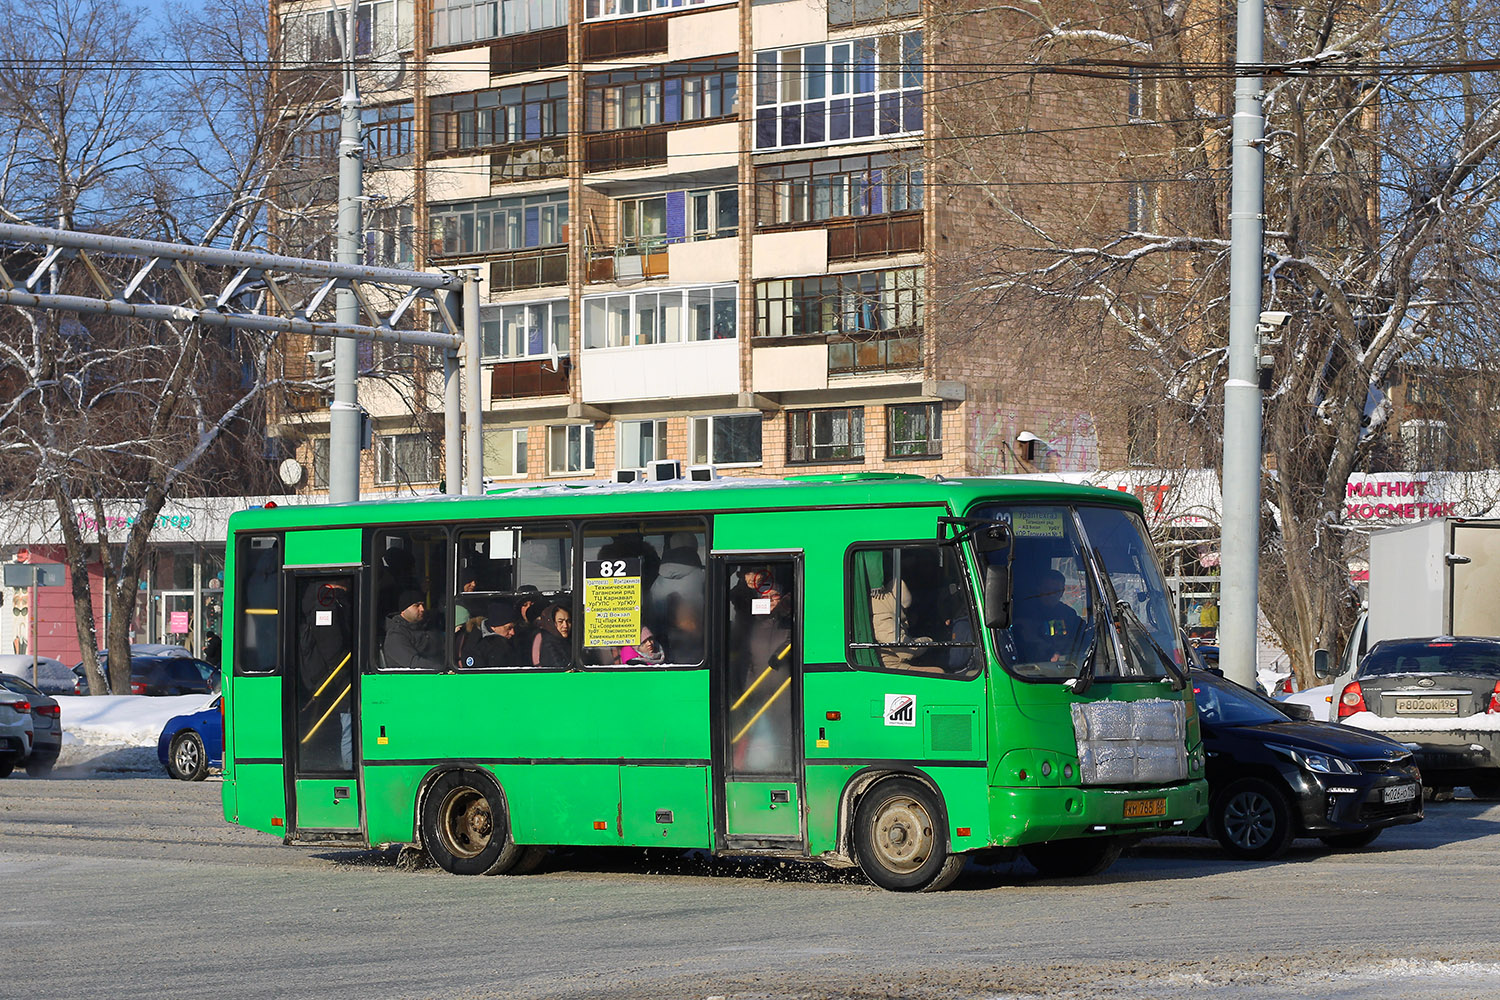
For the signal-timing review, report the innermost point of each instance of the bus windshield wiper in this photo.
(1126, 611)
(1085, 678)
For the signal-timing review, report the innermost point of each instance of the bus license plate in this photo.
(1142, 808)
(1446, 706)
(1400, 793)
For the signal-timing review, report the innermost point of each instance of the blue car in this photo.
(191, 744)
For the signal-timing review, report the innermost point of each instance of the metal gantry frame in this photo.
(257, 281)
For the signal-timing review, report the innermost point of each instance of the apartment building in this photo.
(709, 231)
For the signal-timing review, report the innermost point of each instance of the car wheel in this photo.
(898, 841)
(39, 768)
(1487, 787)
(466, 829)
(1252, 820)
(186, 758)
(1351, 841)
(1074, 858)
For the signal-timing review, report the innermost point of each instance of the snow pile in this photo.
(118, 732)
(1483, 723)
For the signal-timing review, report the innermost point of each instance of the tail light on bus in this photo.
(1352, 700)
(1494, 706)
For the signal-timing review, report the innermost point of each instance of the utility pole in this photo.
(1239, 544)
(344, 415)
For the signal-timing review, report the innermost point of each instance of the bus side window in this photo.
(512, 573)
(412, 573)
(909, 609)
(257, 634)
(665, 623)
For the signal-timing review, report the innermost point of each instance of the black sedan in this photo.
(1273, 778)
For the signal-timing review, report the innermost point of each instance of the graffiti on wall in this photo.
(1069, 441)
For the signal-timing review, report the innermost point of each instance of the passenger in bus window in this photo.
(496, 642)
(410, 642)
(678, 596)
(553, 646)
(529, 605)
(1045, 628)
(648, 650)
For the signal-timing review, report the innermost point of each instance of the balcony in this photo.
(874, 236)
(529, 269)
(661, 371)
(616, 39)
(529, 161)
(523, 53)
(623, 265)
(526, 379)
(641, 147)
(875, 353)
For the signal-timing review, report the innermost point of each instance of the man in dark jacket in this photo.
(496, 642)
(409, 642)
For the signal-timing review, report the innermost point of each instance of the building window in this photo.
(648, 224)
(500, 224)
(1141, 437)
(833, 435)
(1140, 206)
(843, 13)
(641, 441)
(310, 37)
(455, 22)
(914, 430)
(661, 95)
(601, 10)
(727, 439)
(850, 186)
(570, 448)
(405, 458)
(812, 95)
(505, 452)
(469, 122)
(675, 316)
(385, 131)
(1141, 96)
(532, 330)
(388, 236)
(320, 463)
(855, 303)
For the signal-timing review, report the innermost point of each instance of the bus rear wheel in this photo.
(898, 839)
(466, 829)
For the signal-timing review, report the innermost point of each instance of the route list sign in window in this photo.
(611, 602)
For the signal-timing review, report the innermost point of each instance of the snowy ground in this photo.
(117, 733)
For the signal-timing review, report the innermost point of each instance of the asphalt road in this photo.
(135, 887)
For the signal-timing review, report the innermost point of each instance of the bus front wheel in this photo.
(466, 829)
(899, 841)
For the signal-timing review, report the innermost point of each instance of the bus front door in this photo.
(322, 700)
(759, 687)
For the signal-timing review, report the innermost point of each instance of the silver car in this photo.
(46, 721)
(16, 731)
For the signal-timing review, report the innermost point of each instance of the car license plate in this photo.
(1141, 808)
(1447, 706)
(1400, 793)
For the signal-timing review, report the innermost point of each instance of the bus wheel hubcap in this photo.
(903, 835)
(467, 822)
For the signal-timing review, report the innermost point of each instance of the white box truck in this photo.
(1438, 577)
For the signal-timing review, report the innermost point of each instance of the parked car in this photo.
(162, 675)
(52, 676)
(191, 744)
(1273, 778)
(1440, 696)
(46, 724)
(16, 730)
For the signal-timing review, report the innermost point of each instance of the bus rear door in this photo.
(758, 682)
(322, 704)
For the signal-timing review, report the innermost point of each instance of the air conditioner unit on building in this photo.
(702, 473)
(664, 470)
(629, 475)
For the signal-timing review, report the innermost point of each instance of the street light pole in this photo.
(1240, 531)
(344, 415)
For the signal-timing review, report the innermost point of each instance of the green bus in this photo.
(874, 669)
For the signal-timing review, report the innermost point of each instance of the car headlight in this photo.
(1320, 763)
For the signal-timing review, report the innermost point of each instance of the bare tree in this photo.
(1382, 179)
(168, 135)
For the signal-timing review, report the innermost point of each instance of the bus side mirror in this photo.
(1320, 664)
(997, 596)
(992, 538)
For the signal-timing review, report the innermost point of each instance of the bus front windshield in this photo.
(1087, 596)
